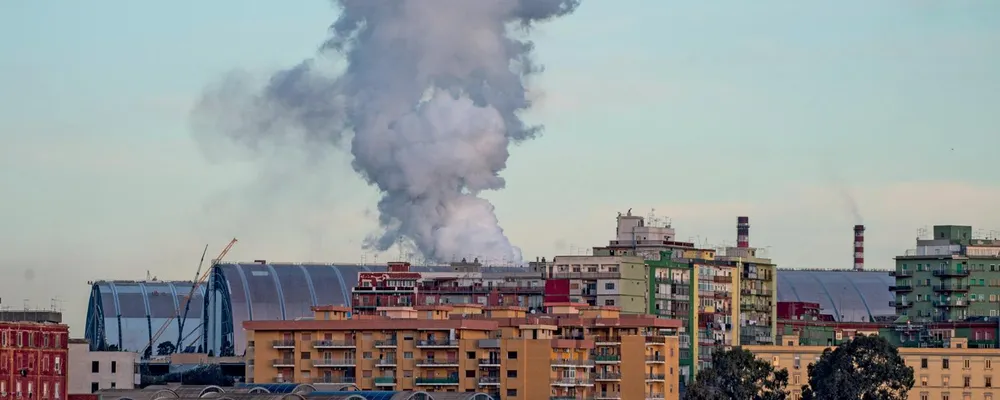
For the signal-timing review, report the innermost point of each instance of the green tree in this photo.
(165, 348)
(737, 375)
(865, 368)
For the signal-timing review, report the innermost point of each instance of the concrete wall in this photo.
(81, 364)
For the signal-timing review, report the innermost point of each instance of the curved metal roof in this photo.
(848, 295)
(254, 291)
(128, 313)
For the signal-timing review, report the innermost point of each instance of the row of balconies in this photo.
(350, 344)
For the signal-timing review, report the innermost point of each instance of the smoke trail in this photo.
(431, 92)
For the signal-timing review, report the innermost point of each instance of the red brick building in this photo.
(33, 361)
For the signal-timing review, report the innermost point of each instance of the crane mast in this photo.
(200, 278)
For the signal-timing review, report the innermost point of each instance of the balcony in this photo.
(334, 344)
(607, 358)
(335, 379)
(571, 363)
(654, 340)
(386, 362)
(385, 381)
(607, 340)
(901, 304)
(572, 382)
(283, 363)
(489, 381)
(388, 343)
(901, 288)
(723, 279)
(951, 288)
(489, 362)
(655, 377)
(951, 303)
(948, 273)
(440, 343)
(430, 362)
(607, 396)
(451, 380)
(283, 344)
(334, 362)
(607, 376)
(901, 274)
(655, 396)
(655, 359)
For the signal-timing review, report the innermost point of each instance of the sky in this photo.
(703, 111)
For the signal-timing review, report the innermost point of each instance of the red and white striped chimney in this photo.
(859, 247)
(743, 232)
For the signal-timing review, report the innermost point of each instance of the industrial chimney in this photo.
(743, 232)
(859, 247)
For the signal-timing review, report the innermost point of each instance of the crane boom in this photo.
(187, 302)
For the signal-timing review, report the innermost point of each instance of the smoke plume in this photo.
(430, 99)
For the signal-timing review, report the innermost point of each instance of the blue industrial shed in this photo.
(848, 295)
(128, 314)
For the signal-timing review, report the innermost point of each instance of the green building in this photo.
(951, 277)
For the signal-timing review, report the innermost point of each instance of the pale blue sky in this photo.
(704, 110)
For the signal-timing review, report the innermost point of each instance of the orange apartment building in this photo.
(571, 351)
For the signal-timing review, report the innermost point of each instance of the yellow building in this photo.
(571, 351)
(955, 373)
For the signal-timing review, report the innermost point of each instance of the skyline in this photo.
(702, 111)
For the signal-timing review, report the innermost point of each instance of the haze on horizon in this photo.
(703, 111)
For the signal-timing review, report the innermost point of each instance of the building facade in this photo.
(90, 371)
(615, 281)
(33, 360)
(951, 277)
(953, 373)
(568, 351)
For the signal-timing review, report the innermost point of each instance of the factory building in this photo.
(567, 351)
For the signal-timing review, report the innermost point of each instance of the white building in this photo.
(90, 371)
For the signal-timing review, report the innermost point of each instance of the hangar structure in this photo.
(127, 314)
(847, 295)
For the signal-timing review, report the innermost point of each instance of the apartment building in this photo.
(950, 277)
(91, 371)
(616, 281)
(466, 282)
(952, 373)
(703, 294)
(567, 351)
(33, 358)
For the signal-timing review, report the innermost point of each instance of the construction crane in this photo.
(187, 302)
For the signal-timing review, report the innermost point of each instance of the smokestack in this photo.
(859, 247)
(743, 232)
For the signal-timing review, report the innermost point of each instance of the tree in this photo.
(165, 348)
(865, 368)
(736, 374)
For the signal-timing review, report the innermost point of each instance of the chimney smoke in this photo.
(859, 247)
(743, 232)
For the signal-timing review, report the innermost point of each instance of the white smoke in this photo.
(431, 93)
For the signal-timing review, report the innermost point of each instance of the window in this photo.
(114, 367)
(511, 392)
(408, 355)
(609, 286)
(512, 373)
(988, 364)
(923, 380)
(55, 391)
(965, 364)
(945, 380)
(967, 381)
(95, 367)
(306, 355)
(944, 363)
(367, 355)
(511, 355)
(470, 355)
(609, 302)
(923, 363)
(58, 365)
(470, 373)
(797, 362)
(989, 381)
(45, 388)
(113, 385)
(94, 387)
